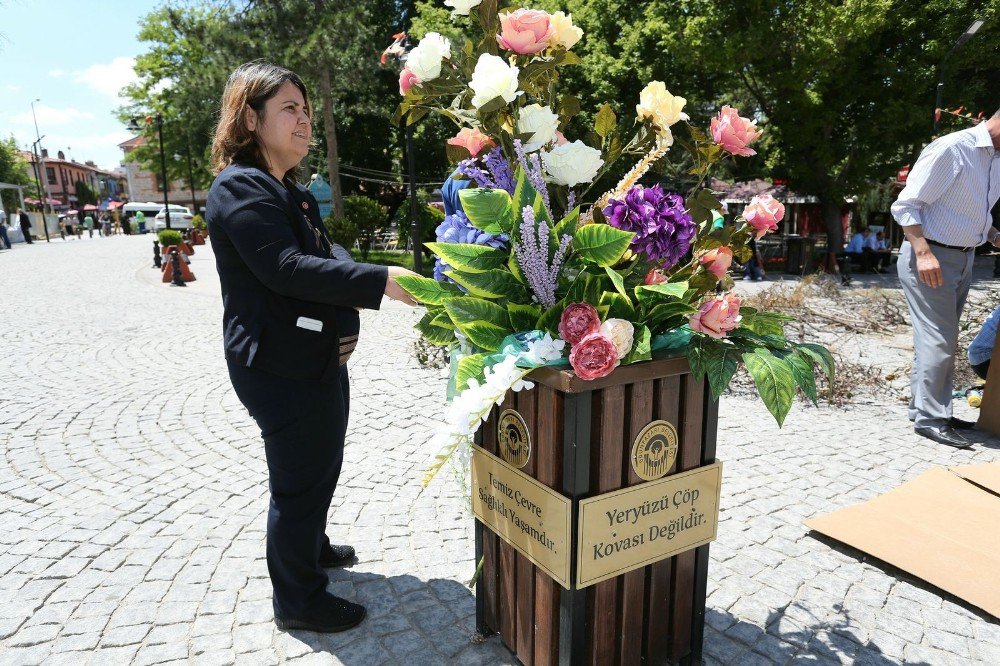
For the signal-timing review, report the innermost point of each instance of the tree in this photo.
(14, 170)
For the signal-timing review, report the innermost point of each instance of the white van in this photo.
(149, 210)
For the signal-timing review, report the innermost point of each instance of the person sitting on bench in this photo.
(981, 349)
(859, 249)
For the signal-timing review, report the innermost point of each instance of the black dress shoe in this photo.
(961, 424)
(944, 435)
(335, 556)
(331, 616)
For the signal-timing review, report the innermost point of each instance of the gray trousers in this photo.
(935, 314)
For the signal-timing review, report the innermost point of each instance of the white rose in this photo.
(462, 7)
(572, 163)
(564, 33)
(493, 78)
(540, 122)
(621, 333)
(658, 106)
(425, 59)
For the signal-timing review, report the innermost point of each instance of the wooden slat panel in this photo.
(525, 401)
(567, 381)
(688, 457)
(640, 413)
(666, 404)
(490, 540)
(606, 475)
(507, 574)
(549, 471)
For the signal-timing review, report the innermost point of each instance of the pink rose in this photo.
(594, 356)
(717, 261)
(472, 140)
(734, 133)
(525, 31)
(407, 80)
(763, 214)
(717, 316)
(561, 138)
(655, 276)
(578, 320)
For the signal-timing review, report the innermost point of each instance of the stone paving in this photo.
(133, 496)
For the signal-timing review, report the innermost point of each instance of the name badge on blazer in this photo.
(310, 324)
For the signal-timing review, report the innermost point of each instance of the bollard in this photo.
(157, 261)
(178, 279)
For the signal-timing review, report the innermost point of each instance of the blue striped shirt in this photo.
(981, 349)
(952, 187)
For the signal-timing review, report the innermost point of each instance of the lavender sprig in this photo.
(470, 170)
(532, 252)
(499, 168)
(533, 171)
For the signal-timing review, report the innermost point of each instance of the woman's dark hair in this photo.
(251, 84)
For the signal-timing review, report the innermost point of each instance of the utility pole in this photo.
(45, 177)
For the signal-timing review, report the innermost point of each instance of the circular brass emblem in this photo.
(654, 450)
(513, 439)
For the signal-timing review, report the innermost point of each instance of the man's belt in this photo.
(950, 247)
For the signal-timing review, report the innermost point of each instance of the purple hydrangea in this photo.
(663, 228)
(456, 228)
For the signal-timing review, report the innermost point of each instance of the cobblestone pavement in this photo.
(133, 497)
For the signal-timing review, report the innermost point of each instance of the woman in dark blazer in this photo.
(291, 299)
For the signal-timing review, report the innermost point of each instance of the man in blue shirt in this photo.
(981, 349)
(858, 250)
(944, 211)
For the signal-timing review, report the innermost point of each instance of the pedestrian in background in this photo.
(945, 214)
(106, 224)
(22, 217)
(3, 229)
(88, 224)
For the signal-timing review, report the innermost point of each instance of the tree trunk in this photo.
(834, 230)
(332, 157)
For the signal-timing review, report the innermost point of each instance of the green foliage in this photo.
(14, 170)
(85, 194)
(198, 222)
(344, 232)
(169, 237)
(430, 218)
(368, 217)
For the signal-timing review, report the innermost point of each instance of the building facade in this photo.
(60, 176)
(144, 185)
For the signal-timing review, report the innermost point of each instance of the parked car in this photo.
(180, 218)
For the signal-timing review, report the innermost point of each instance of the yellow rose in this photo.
(564, 33)
(659, 107)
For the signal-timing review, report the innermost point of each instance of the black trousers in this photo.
(303, 424)
(27, 234)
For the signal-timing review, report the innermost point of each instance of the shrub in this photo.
(169, 237)
(430, 218)
(343, 231)
(198, 222)
(369, 217)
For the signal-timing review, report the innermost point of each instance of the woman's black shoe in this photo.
(335, 615)
(335, 556)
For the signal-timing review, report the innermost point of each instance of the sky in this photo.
(74, 56)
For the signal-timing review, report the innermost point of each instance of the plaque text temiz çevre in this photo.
(525, 513)
(629, 528)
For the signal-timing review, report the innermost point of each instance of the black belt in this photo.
(950, 247)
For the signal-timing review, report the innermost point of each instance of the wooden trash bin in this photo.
(581, 436)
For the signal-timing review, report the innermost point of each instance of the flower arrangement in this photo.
(530, 273)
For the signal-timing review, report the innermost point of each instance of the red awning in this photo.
(29, 200)
(72, 212)
(115, 204)
(90, 207)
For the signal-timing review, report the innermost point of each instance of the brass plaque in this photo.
(654, 450)
(513, 439)
(528, 515)
(629, 528)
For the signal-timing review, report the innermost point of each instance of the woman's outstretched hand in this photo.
(393, 290)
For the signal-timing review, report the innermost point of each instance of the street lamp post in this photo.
(962, 39)
(411, 162)
(134, 127)
(44, 178)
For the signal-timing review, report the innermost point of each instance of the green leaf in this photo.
(822, 356)
(640, 346)
(567, 225)
(586, 288)
(523, 317)
(568, 107)
(486, 324)
(664, 311)
(442, 320)
(434, 334)
(456, 153)
(646, 292)
(524, 195)
(696, 358)
(605, 122)
(549, 321)
(619, 307)
(601, 244)
(802, 368)
(774, 379)
(469, 367)
(721, 361)
(764, 323)
(489, 210)
(617, 280)
(426, 290)
(467, 257)
(495, 283)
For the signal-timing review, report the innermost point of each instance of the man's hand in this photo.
(393, 290)
(929, 269)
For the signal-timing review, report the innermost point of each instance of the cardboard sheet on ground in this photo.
(938, 527)
(987, 475)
